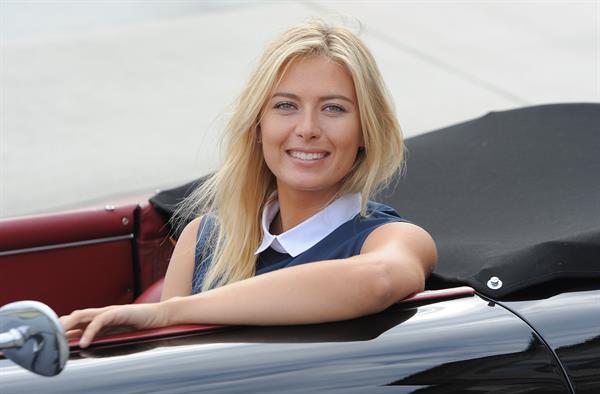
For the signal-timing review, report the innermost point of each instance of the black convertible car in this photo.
(513, 202)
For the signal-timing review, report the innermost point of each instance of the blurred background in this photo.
(103, 98)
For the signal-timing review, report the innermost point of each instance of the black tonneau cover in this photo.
(513, 195)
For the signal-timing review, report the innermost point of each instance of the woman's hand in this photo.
(91, 321)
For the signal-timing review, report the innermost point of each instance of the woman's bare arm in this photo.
(393, 264)
(178, 279)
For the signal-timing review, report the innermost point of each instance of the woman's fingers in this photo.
(126, 315)
(93, 327)
(92, 321)
(72, 334)
(79, 319)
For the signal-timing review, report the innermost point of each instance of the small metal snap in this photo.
(125, 221)
(109, 208)
(494, 283)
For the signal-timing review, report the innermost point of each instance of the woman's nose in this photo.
(308, 126)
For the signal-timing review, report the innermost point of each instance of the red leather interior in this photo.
(94, 271)
(430, 295)
(70, 278)
(151, 294)
(154, 248)
(65, 227)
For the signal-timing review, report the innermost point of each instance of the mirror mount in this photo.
(15, 337)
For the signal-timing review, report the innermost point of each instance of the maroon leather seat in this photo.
(152, 293)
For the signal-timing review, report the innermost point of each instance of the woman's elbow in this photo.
(381, 290)
(388, 285)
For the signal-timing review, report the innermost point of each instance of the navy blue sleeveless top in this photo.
(345, 241)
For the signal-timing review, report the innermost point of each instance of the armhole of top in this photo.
(201, 238)
(205, 229)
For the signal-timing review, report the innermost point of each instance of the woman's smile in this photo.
(307, 156)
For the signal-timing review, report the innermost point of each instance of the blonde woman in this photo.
(285, 232)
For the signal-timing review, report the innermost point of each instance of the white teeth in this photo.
(307, 156)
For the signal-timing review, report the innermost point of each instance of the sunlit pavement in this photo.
(99, 99)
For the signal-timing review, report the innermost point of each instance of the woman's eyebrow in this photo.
(323, 98)
(337, 96)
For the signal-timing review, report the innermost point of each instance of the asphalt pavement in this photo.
(99, 99)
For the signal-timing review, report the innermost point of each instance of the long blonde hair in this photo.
(238, 191)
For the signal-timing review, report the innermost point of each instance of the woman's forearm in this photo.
(310, 293)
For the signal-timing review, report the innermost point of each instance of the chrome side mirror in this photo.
(31, 335)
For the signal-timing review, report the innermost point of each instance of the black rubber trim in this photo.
(541, 338)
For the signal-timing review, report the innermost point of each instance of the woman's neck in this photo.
(295, 207)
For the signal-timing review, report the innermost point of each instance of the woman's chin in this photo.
(308, 186)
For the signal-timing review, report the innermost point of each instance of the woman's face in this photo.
(310, 128)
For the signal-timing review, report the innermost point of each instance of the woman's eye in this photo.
(334, 108)
(285, 106)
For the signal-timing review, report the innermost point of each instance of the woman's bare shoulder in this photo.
(191, 229)
(178, 279)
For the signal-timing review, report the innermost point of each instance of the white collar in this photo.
(308, 233)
